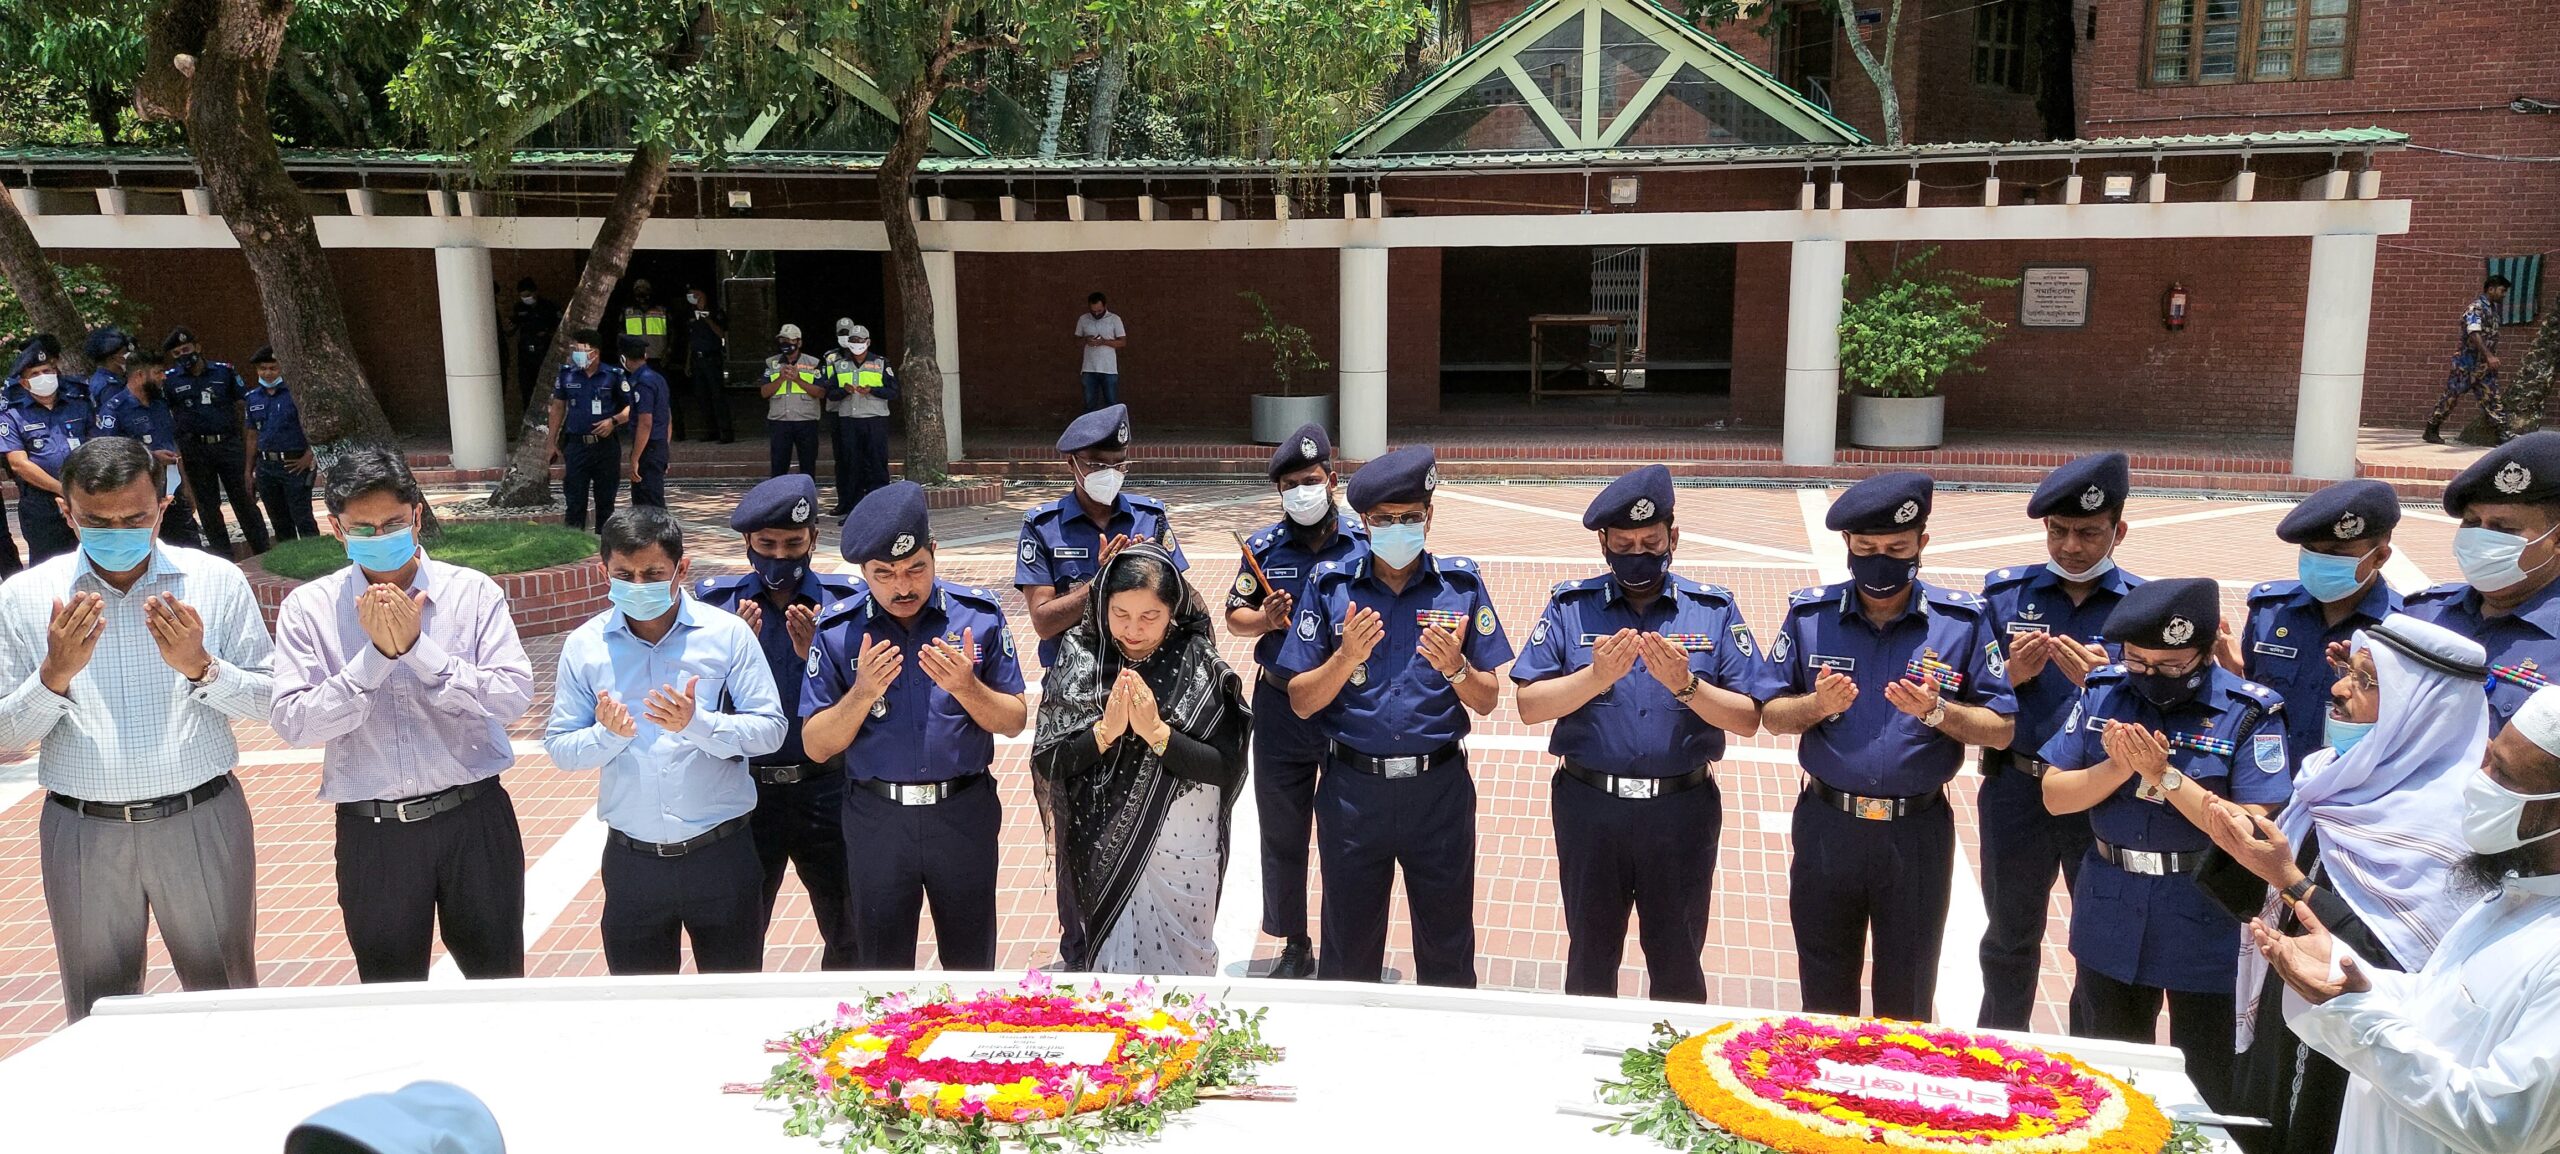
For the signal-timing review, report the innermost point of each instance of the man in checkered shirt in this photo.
(128, 659)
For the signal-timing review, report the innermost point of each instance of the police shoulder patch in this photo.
(1742, 639)
(816, 654)
(1484, 620)
(2268, 750)
(1783, 648)
(1538, 634)
(1307, 626)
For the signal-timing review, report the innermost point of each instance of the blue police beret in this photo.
(2083, 488)
(1307, 446)
(1633, 501)
(631, 346)
(51, 344)
(889, 525)
(106, 342)
(1105, 428)
(2346, 511)
(28, 358)
(2524, 471)
(1884, 503)
(2171, 613)
(181, 335)
(1402, 476)
(789, 501)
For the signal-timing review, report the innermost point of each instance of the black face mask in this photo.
(1638, 571)
(777, 572)
(2164, 691)
(1880, 575)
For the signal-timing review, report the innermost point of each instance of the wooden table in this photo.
(1577, 354)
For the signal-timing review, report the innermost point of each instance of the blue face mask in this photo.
(581, 358)
(386, 553)
(1396, 545)
(115, 550)
(2329, 578)
(2343, 735)
(642, 600)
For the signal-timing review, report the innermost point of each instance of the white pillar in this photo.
(1362, 419)
(1813, 351)
(2336, 313)
(474, 389)
(942, 276)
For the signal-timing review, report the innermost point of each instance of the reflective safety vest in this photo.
(793, 378)
(846, 373)
(652, 323)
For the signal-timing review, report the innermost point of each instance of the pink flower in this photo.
(896, 1003)
(826, 1085)
(1037, 983)
(1140, 988)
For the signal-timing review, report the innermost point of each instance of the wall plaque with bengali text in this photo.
(2054, 296)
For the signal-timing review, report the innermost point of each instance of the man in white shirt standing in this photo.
(2463, 1055)
(128, 658)
(1102, 336)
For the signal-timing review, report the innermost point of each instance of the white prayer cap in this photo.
(2539, 720)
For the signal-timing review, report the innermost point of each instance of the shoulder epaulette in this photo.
(2273, 590)
(2009, 576)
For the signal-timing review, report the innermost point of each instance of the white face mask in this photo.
(1103, 485)
(526, 298)
(859, 347)
(2491, 812)
(43, 384)
(1306, 504)
(846, 341)
(2092, 573)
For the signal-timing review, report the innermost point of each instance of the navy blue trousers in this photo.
(287, 496)
(590, 474)
(801, 826)
(783, 439)
(1851, 875)
(1655, 856)
(900, 857)
(651, 488)
(1367, 826)
(1287, 752)
(2199, 1025)
(862, 458)
(709, 896)
(2024, 847)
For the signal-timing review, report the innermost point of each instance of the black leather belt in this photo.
(677, 848)
(2150, 863)
(923, 792)
(1272, 677)
(1393, 767)
(598, 438)
(279, 457)
(212, 438)
(1998, 761)
(1640, 787)
(788, 774)
(153, 809)
(1875, 808)
(412, 809)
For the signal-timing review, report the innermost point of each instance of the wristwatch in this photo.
(2171, 781)
(1937, 714)
(2298, 891)
(1460, 675)
(1685, 692)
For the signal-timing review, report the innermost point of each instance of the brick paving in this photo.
(1751, 539)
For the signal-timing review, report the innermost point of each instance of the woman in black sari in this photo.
(1142, 740)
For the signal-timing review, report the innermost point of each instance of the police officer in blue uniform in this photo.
(1392, 650)
(283, 453)
(35, 358)
(44, 420)
(652, 409)
(1287, 748)
(107, 348)
(2344, 532)
(1644, 672)
(2051, 620)
(2157, 746)
(205, 397)
(798, 821)
(139, 408)
(911, 679)
(2509, 550)
(590, 402)
(1889, 678)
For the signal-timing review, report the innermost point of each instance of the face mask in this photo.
(2164, 691)
(386, 553)
(115, 550)
(526, 298)
(1638, 570)
(1306, 504)
(271, 386)
(1396, 545)
(1103, 485)
(2329, 578)
(2343, 735)
(43, 384)
(777, 572)
(2490, 813)
(846, 341)
(582, 358)
(1879, 575)
(790, 347)
(2488, 557)
(2089, 574)
(859, 347)
(642, 600)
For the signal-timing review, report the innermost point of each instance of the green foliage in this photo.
(1293, 352)
(1914, 327)
(492, 547)
(99, 300)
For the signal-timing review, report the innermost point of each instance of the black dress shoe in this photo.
(840, 511)
(1297, 960)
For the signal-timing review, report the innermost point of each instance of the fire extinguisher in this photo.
(2173, 307)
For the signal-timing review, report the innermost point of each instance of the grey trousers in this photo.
(104, 880)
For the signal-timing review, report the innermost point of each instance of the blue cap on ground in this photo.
(789, 501)
(1307, 446)
(1104, 428)
(889, 525)
(2346, 511)
(1884, 503)
(2083, 488)
(2524, 471)
(1398, 476)
(1633, 501)
(420, 1118)
(2172, 613)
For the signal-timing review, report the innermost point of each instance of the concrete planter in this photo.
(1275, 417)
(1897, 422)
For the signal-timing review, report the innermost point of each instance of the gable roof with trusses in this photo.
(1572, 75)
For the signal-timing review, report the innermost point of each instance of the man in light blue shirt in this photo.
(669, 698)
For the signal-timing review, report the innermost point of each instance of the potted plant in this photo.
(1910, 330)
(1293, 355)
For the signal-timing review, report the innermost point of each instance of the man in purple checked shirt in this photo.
(408, 670)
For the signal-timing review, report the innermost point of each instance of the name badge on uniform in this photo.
(1065, 554)
(2018, 627)
(596, 406)
(1834, 664)
(204, 399)
(1280, 574)
(2285, 651)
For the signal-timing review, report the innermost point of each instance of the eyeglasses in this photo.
(1384, 520)
(1089, 464)
(2346, 670)
(2138, 665)
(381, 530)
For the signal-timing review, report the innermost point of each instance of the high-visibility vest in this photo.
(652, 323)
(795, 380)
(869, 378)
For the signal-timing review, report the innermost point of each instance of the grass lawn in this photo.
(492, 547)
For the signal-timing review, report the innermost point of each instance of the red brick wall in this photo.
(1933, 71)
(1413, 335)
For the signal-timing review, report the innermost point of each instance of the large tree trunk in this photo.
(210, 64)
(1879, 72)
(33, 281)
(920, 371)
(1050, 125)
(1107, 84)
(527, 481)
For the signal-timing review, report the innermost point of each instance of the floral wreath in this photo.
(870, 1077)
(1751, 1088)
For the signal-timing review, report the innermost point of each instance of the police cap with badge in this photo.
(1403, 476)
(2524, 471)
(2347, 511)
(2171, 613)
(181, 335)
(29, 358)
(106, 342)
(631, 348)
(1307, 446)
(2085, 487)
(1634, 501)
(890, 524)
(789, 501)
(1104, 428)
(1884, 503)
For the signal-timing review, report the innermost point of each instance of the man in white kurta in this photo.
(2463, 1055)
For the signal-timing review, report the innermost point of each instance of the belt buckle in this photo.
(2142, 861)
(1400, 767)
(1636, 787)
(129, 807)
(913, 794)
(783, 775)
(2032, 767)
(1872, 808)
(667, 849)
(400, 810)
